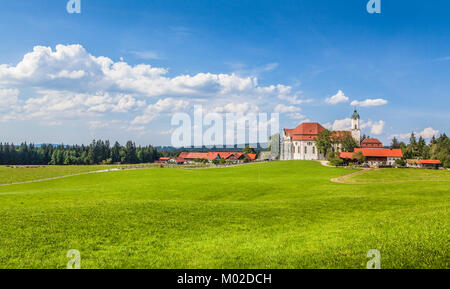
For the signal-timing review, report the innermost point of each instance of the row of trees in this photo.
(98, 152)
(438, 148)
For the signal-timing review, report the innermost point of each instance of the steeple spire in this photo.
(355, 114)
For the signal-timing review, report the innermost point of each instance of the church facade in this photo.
(299, 143)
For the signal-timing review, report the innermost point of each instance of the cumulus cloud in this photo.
(237, 108)
(337, 98)
(281, 108)
(167, 105)
(68, 81)
(8, 97)
(369, 102)
(427, 133)
(376, 127)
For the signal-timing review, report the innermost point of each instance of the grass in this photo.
(17, 174)
(271, 215)
(402, 175)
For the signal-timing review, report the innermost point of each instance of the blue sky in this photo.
(83, 76)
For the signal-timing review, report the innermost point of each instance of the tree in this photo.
(115, 153)
(395, 144)
(323, 142)
(130, 156)
(348, 143)
(248, 150)
(359, 157)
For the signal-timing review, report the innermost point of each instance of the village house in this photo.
(375, 156)
(424, 164)
(193, 157)
(300, 143)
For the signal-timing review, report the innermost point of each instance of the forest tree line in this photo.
(98, 152)
(438, 148)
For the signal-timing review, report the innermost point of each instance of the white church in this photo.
(299, 143)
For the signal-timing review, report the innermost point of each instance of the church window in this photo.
(306, 150)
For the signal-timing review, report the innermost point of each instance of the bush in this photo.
(331, 156)
(400, 162)
(336, 162)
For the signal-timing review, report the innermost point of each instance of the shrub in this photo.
(400, 162)
(336, 162)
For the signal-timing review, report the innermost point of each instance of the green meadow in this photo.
(264, 215)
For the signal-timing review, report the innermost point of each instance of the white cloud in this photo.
(377, 127)
(147, 55)
(167, 105)
(237, 108)
(340, 124)
(8, 97)
(427, 133)
(369, 102)
(337, 98)
(297, 116)
(70, 82)
(281, 108)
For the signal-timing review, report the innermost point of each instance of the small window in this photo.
(314, 150)
(306, 150)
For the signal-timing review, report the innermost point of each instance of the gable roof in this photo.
(252, 156)
(429, 162)
(375, 152)
(371, 141)
(305, 131)
(215, 155)
(380, 152)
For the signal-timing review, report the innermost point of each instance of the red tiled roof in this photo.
(305, 131)
(375, 152)
(189, 155)
(164, 159)
(341, 133)
(346, 155)
(212, 155)
(252, 156)
(430, 162)
(379, 152)
(309, 131)
(371, 141)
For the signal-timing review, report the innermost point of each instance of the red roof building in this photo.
(305, 131)
(231, 156)
(418, 163)
(376, 156)
(371, 143)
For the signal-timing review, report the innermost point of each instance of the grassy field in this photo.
(17, 174)
(402, 175)
(270, 215)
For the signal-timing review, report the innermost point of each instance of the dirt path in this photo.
(345, 178)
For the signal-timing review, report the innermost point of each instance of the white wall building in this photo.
(299, 143)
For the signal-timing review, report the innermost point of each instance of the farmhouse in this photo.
(418, 163)
(375, 156)
(193, 157)
(300, 144)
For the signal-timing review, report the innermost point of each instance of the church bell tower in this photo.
(356, 129)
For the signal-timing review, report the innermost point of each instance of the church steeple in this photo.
(355, 114)
(356, 129)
